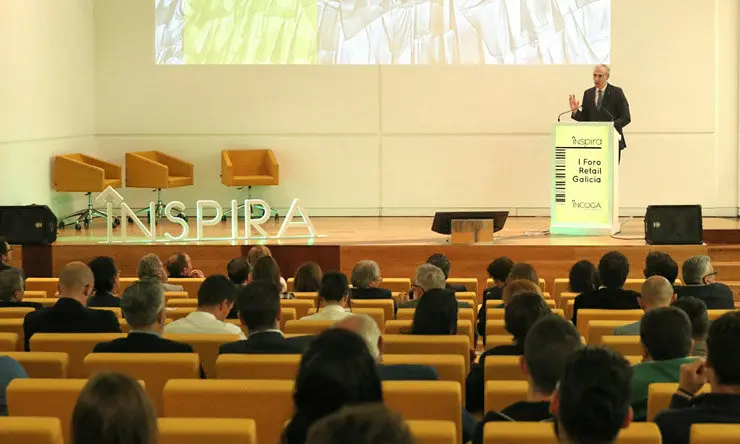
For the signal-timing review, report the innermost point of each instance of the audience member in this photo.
(366, 282)
(150, 268)
(583, 277)
(336, 370)
(443, 263)
(516, 286)
(142, 305)
(307, 278)
(266, 269)
(428, 277)
(6, 255)
(591, 402)
(69, 314)
(721, 371)
(498, 270)
(180, 266)
(547, 348)
(699, 281)
(435, 314)
(106, 277)
(259, 251)
(665, 335)
(259, 312)
(10, 369)
(216, 297)
(613, 271)
(333, 295)
(522, 270)
(113, 408)
(361, 424)
(658, 263)
(238, 271)
(697, 313)
(12, 287)
(656, 292)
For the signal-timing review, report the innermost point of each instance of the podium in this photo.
(585, 179)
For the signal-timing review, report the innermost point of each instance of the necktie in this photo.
(599, 97)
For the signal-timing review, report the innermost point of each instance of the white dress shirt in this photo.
(328, 313)
(200, 322)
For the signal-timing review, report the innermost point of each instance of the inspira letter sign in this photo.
(111, 197)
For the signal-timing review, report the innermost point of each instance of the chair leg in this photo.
(158, 209)
(86, 216)
(227, 213)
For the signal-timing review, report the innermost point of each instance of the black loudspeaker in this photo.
(673, 225)
(442, 222)
(28, 225)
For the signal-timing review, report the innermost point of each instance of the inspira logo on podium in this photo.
(112, 198)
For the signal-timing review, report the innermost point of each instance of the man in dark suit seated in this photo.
(428, 277)
(699, 281)
(238, 271)
(499, 270)
(366, 282)
(69, 314)
(721, 371)
(259, 312)
(180, 266)
(106, 276)
(11, 290)
(613, 271)
(443, 263)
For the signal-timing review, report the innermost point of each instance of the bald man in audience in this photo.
(656, 292)
(69, 314)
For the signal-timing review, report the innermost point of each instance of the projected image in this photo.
(369, 32)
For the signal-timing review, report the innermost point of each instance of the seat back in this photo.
(714, 433)
(503, 368)
(496, 327)
(8, 342)
(76, 345)
(181, 302)
(190, 285)
(48, 285)
(124, 282)
(175, 313)
(249, 366)
(449, 367)
(378, 315)
(464, 328)
(31, 431)
(36, 294)
(497, 340)
(248, 162)
(206, 430)
(307, 296)
(543, 433)
(300, 306)
(501, 394)
(660, 394)
(433, 432)
(435, 400)
(428, 345)
(268, 403)
(402, 285)
(714, 314)
(15, 312)
(155, 369)
(42, 364)
(206, 346)
(462, 314)
(598, 329)
(471, 284)
(586, 315)
(384, 304)
(14, 327)
(306, 327)
(626, 345)
(169, 295)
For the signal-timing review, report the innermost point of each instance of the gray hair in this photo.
(11, 281)
(365, 272)
(695, 268)
(142, 302)
(429, 277)
(149, 267)
(606, 68)
(368, 330)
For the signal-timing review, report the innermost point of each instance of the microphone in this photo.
(607, 111)
(563, 113)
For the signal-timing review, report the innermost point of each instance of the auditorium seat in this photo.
(449, 367)
(125, 327)
(155, 369)
(42, 364)
(181, 303)
(385, 304)
(206, 346)
(206, 431)
(76, 345)
(14, 326)
(428, 345)
(268, 403)
(189, 285)
(560, 286)
(402, 285)
(714, 314)
(585, 315)
(598, 329)
(498, 313)
(8, 342)
(501, 394)
(503, 368)
(433, 432)
(50, 285)
(124, 282)
(306, 327)
(34, 294)
(462, 314)
(45, 302)
(495, 327)
(626, 345)
(543, 433)
(567, 300)
(469, 298)
(543, 287)
(175, 313)
(248, 366)
(470, 283)
(31, 431)
(429, 400)
(115, 310)
(497, 340)
(660, 394)
(378, 315)
(714, 433)
(248, 168)
(169, 295)
(464, 327)
(309, 296)
(301, 307)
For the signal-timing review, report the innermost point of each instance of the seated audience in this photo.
(307, 278)
(658, 263)
(435, 314)
(524, 310)
(699, 281)
(721, 371)
(665, 335)
(656, 292)
(427, 277)
(150, 267)
(361, 424)
(106, 276)
(549, 344)
(266, 270)
(10, 369)
(498, 270)
(259, 251)
(69, 314)
(238, 271)
(216, 297)
(516, 286)
(583, 277)
(113, 408)
(142, 305)
(333, 297)
(12, 287)
(443, 263)
(523, 270)
(697, 313)
(180, 266)
(6, 254)
(336, 370)
(613, 271)
(591, 402)
(259, 312)
(366, 282)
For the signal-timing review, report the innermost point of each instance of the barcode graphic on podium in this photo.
(560, 175)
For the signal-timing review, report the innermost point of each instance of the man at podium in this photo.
(603, 103)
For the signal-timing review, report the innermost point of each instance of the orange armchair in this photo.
(157, 170)
(84, 174)
(248, 168)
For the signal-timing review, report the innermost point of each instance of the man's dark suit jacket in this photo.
(407, 372)
(489, 294)
(711, 408)
(68, 316)
(142, 343)
(614, 101)
(267, 342)
(716, 296)
(372, 293)
(21, 304)
(104, 300)
(607, 299)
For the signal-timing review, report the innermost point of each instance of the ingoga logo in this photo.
(586, 205)
(587, 142)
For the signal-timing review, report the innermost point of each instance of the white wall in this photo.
(46, 94)
(398, 140)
